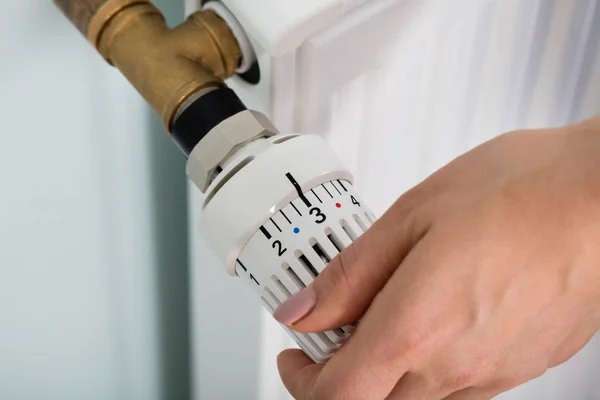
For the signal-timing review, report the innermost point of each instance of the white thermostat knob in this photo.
(279, 211)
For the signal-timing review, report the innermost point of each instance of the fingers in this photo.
(298, 373)
(343, 291)
(392, 336)
(410, 321)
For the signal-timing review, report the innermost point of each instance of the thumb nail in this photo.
(296, 307)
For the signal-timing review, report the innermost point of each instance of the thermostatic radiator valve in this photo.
(278, 210)
(278, 207)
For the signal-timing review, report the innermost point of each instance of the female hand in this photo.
(475, 281)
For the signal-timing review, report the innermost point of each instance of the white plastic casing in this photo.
(282, 25)
(279, 212)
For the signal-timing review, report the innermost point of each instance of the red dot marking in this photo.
(338, 205)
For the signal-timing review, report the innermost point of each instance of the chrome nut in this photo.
(222, 141)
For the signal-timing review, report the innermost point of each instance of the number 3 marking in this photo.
(319, 214)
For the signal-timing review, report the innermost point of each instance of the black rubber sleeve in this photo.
(203, 115)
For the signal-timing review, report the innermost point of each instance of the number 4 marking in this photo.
(354, 201)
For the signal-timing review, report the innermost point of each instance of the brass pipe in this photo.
(166, 66)
(80, 12)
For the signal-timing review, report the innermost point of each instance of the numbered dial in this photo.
(296, 244)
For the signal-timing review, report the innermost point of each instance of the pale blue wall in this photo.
(93, 224)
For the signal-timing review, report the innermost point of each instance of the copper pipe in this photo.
(166, 66)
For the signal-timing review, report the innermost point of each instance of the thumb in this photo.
(343, 291)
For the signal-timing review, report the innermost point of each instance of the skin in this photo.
(477, 280)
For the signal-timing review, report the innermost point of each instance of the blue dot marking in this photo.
(296, 230)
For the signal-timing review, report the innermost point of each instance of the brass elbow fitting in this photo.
(168, 67)
(180, 72)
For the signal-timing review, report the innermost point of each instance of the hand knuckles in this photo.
(327, 391)
(462, 378)
(412, 348)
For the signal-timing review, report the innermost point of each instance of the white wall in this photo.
(93, 276)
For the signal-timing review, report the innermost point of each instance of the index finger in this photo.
(389, 339)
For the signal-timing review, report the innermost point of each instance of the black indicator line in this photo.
(254, 279)
(242, 265)
(328, 192)
(316, 195)
(295, 208)
(286, 217)
(265, 232)
(342, 185)
(276, 226)
(298, 189)
(335, 187)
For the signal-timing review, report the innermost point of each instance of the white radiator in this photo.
(402, 86)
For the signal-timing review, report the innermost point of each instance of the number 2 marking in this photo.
(280, 250)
